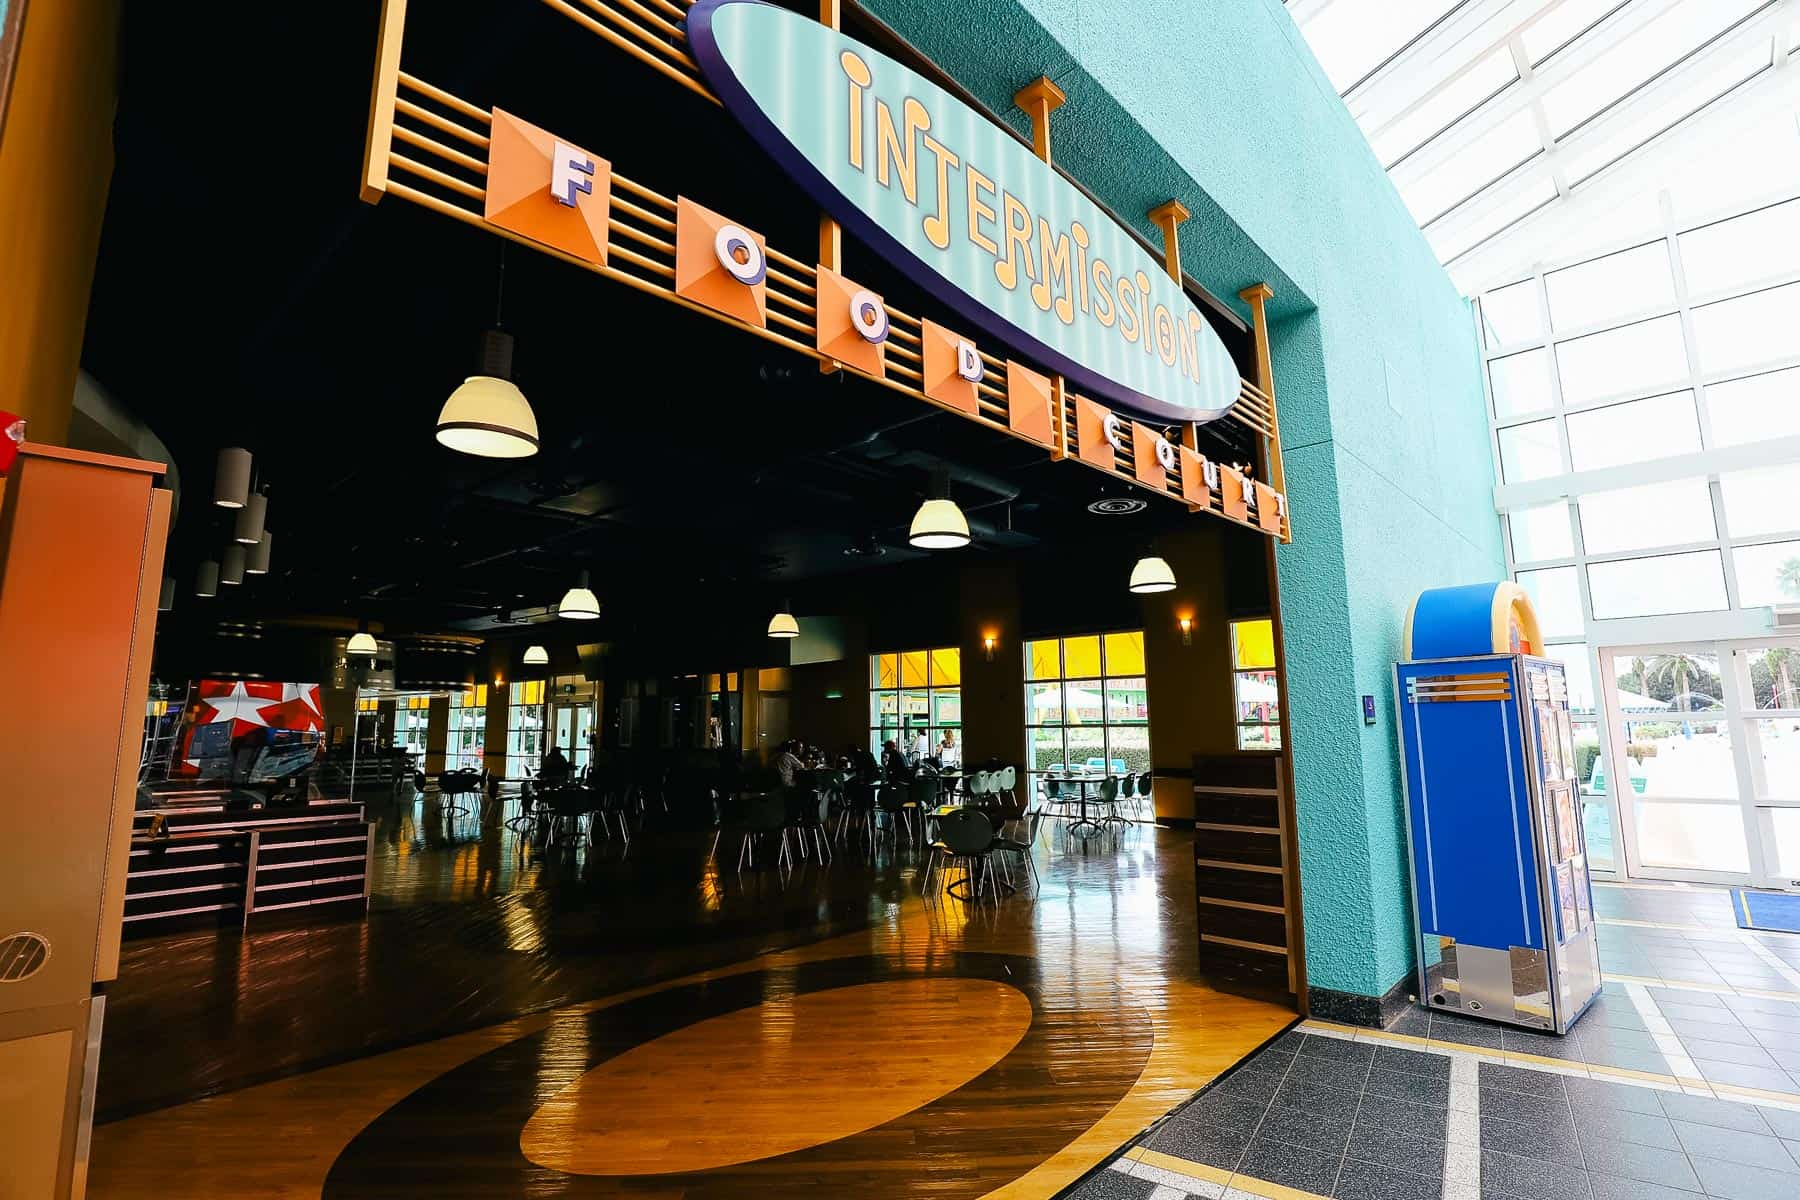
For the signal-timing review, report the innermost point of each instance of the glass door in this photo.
(1706, 742)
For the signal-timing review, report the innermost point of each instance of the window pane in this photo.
(1351, 38)
(946, 667)
(1579, 673)
(1556, 598)
(1448, 104)
(1081, 657)
(1562, 25)
(1703, 837)
(1128, 750)
(1044, 703)
(1644, 357)
(1670, 583)
(1530, 451)
(1752, 409)
(1753, 246)
(1083, 703)
(1510, 315)
(1638, 57)
(1125, 653)
(885, 672)
(1639, 518)
(1767, 574)
(1775, 676)
(1043, 659)
(946, 708)
(1452, 239)
(1257, 697)
(1253, 643)
(913, 666)
(1470, 169)
(1762, 501)
(1747, 331)
(1611, 287)
(1046, 747)
(1086, 746)
(1127, 701)
(1520, 383)
(1541, 532)
(1634, 432)
(883, 709)
(1259, 737)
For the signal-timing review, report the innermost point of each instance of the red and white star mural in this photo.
(251, 710)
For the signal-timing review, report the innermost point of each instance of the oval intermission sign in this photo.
(964, 210)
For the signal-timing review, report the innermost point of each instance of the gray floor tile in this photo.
(1784, 1121)
(1735, 1145)
(1464, 1031)
(1511, 1175)
(1414, 1022)
(1214, 1145)
(1329, 1072)
(1599, 1126)
(1367, 1181)
(1651, 1164)
(1521, 1079)
(1601, 1093)
(1544, 1143)
(1679, 996)
(1327, 1133)
(1614, 1016)
(1762, 1004)
(1316, 1097)
(1613, 1187)
(1109, 1184)
(1250, 1087)
(1217, 1108)
(1412, 1062)
(1420, 1120)
(1704, 1110)
(1774, 1022)
(1291, 1166)
(1793, 1149)
(1705, 1031)
(1769, 1078)
(1548, 1045)
(1787, 1060)
(1392, 1148)
(1337, 1049)
(1418, 1089)
(1654, 1061)
(1619, 1039)
(1536, 1111)
(1744, 1056)
(1698, 1012)
(1736, 1181)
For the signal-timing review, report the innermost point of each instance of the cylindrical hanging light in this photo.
(231, 482)
(258, 563)
(783, 624)
(232, 563)
(537, 656)
(578, 603)
(206, 579)
(1152, 574)
(488, 415)
(939, 524)
(165, 600)
(250, 519)
(361, 642)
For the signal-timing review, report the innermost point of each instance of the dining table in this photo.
(1084, 825)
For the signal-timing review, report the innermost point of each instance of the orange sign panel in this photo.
(543, 188)
(1028, 403)
(1232, 489)
(719, 264)
(1194, 488)
(1146, 463)
(852, 324)
(952, 367)
(1092, 422)
(1268, 508)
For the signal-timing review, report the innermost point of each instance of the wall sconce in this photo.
(1186, 621)
(987, 645)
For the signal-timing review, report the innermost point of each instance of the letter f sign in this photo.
(571, 171)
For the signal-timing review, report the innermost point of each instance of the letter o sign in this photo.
(739, 254)
(869, 317)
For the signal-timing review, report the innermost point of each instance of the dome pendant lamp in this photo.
(578, 603)
(536, 656)
(362, 642)
(939, 524)
(1152, 574)
(488, 415)
(783, 624)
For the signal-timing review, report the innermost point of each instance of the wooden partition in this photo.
(1244, 882)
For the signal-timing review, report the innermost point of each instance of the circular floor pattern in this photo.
(847, 1076)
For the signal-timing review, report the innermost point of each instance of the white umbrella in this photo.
(1634, 702)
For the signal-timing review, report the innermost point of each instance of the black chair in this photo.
(966, 836)
(858, 804)
(891, 799)
(921, 798)
(763, 814)
(1146, 797)
(806, 813)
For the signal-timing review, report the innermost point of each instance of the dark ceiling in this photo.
(246, 296)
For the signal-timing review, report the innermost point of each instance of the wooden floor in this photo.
(691, 1034)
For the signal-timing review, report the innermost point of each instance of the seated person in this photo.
(555, 769)
(863, 764)
(787, 764)
(949, 753)
(893, 763)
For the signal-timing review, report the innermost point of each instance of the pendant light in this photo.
(250, 519)
(578, 603)
(362, 641)
(939, 524)
(231, 564)
(488, 415)
(206, 579)
(537, 656)
(231, 482)
(783, 624)
(1152, 574)
(258, 563)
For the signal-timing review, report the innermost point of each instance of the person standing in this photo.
(949, 753)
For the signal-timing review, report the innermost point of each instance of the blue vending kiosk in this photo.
(1504, 909)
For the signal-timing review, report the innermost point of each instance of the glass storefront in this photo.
(1086, 705)
(914, 692)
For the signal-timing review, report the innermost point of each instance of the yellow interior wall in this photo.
(56, 160)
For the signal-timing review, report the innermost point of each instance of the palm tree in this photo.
(1779, 659)
(1787, 576)
(1678, 670)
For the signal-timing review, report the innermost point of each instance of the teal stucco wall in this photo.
(1220, 104)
